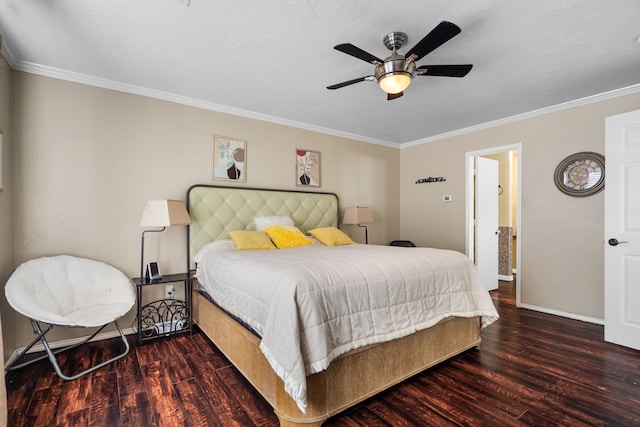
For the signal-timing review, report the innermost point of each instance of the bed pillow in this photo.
(260, 222)
(331, 236)
(287, 236)
(247, 240)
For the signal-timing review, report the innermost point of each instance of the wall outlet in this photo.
(447, 198)
(169, 291)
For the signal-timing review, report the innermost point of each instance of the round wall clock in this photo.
(580, 174)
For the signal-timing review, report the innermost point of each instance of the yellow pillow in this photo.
(331, 236)
(287, 236)
(245, 240)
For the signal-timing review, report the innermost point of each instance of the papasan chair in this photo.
(70, 292)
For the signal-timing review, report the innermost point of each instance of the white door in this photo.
(622, 230)
(487, 221)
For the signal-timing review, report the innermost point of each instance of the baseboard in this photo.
(130, 331)
(573, 316)
(64, 343)
(505, 278)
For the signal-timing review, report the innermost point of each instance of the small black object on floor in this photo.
(403, 243)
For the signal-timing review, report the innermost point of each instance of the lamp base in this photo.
(142, 273)
(366, 234)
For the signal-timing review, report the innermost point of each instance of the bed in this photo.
(341, 376)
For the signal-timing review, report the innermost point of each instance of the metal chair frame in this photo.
(52, 354)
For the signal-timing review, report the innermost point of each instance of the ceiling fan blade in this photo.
(356, 52)
(444, 70)
(392, 96)
(349, 82)
(442, 33)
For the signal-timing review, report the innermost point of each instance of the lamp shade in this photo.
(164, 213)
(357, 215)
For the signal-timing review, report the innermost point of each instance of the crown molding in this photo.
(32, 68)
(531, 114)
(156, 94)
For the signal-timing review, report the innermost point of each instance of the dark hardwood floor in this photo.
(532, 369)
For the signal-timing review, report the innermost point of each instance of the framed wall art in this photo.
(307, 168)
(229, 158)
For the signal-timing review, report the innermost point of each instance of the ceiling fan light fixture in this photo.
(394, 73)
(395, 82)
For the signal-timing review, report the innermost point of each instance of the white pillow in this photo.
(263, 221)
(198, 257)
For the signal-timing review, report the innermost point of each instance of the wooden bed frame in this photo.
(349, 379)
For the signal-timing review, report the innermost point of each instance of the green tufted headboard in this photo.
(216, 210)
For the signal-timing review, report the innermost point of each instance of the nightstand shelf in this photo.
(166, 316)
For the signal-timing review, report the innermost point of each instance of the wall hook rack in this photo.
(431, 179)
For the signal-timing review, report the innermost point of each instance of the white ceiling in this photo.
(272, 60)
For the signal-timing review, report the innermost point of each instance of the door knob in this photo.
(615, 242)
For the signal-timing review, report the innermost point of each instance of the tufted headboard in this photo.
(216, 210)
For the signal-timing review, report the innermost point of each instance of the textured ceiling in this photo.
(272, 60)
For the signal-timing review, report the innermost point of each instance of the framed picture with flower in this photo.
(307, 168)
(229, 158)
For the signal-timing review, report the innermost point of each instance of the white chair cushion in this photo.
(70, 291)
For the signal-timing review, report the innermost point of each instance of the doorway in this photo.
(510, 197)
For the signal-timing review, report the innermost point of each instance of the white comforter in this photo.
(314, 303)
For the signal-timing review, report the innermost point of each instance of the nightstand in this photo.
(167, 316)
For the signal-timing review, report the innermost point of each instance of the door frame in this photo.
(469, 205)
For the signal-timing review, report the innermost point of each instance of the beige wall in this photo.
(86, 160)
(6, 230)
(562, 237)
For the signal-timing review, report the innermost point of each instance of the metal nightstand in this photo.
(167, 316)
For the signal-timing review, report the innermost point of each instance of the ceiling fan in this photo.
(395, 72)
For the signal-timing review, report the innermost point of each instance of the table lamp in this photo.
(161, 213)
(359, 215)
